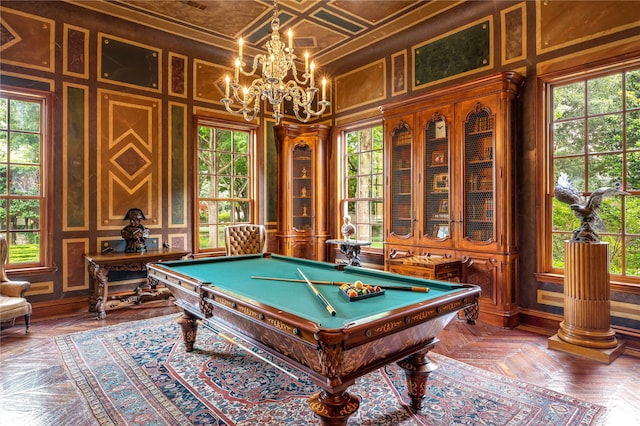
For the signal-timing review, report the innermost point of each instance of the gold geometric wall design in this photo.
(74, 276)
(40, 287)
(208, 80)
(27, 40)
(129, 157)
(361, 86)
(513, 33)
(564, 23)
(75, 53)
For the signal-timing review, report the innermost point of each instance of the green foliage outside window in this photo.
(224, 182)
(21, 177)
(596, 141)
(364, 183)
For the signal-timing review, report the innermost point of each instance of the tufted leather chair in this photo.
(245, 239)
(12, 301)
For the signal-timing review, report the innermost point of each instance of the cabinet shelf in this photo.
(488, 162)
(480, 132)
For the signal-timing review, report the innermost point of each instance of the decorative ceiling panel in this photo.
(320, 26)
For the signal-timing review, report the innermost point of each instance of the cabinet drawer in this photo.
(428, 268)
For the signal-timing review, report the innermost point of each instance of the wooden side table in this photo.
(433, 268)
(351, 250)
(100, 264)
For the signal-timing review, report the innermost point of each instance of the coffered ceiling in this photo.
(328, 29)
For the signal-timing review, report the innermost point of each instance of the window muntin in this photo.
(224, 181)
(23, 210)
(595, 138)
(363, 182)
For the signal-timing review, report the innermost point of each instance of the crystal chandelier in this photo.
(272, 86)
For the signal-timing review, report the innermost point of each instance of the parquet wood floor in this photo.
(35, 389)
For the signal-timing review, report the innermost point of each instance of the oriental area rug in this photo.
(140, 374)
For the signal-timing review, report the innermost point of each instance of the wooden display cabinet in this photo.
(302, 190)
(462, 190)
(399, 207)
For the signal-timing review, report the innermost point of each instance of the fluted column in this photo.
(587, 308)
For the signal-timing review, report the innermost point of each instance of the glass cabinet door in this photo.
(479, 175)
(436, 217)
(302, 190)
(402, 209)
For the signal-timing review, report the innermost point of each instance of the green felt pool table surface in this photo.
(234, 275)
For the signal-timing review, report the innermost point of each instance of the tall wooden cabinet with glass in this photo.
(399, 205)
(437, 217)
(463, 185)
(302, 190)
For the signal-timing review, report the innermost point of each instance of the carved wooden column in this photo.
(586, 328)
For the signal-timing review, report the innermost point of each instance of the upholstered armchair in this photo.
(12, 301)
(245, 239)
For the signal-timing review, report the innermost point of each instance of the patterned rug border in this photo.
(493, 389)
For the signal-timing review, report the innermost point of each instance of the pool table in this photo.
(289, 320)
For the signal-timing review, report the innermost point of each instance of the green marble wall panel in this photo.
(75, 160)
(129, 63)
(177, 179)
(457, 53)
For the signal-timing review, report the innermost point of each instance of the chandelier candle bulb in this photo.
(312, 67)
(306, 62)
(324, 89)
(237, 70)
(240, 42)
(290, 41)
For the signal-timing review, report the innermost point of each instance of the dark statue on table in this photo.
(135, 234)
(585, 208)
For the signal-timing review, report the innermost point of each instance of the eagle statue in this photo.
(585, 208)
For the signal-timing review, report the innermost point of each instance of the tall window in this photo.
(23, 154)
(224, 181)
(594, 126)
(363, 182)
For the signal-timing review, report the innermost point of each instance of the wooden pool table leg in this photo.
(334, 409)
(417, 368)
(189, 326)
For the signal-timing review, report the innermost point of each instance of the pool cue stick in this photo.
(338, 283)
(320, 296)
(246, 349)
